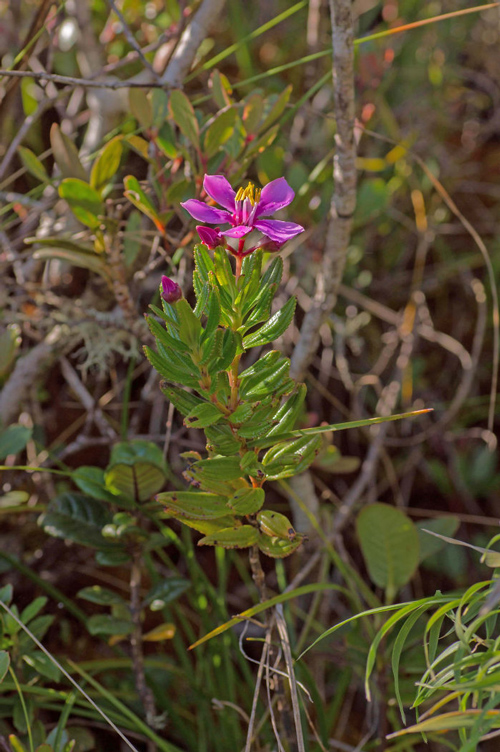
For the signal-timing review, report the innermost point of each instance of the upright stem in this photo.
(143, 690)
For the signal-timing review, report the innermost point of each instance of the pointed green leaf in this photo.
(219, 131)
(140, 200)
(183, 401)
(429, 544)
(221, 88)
(32, 164)
(107, 163)
(274, 328)
(183, 115)
(208, 527)
(141, 107)
(232, 537)
(278, 104)
(189, 324)
(219, 468)
(66, 154)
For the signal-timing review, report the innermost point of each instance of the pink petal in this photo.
(220, 190)
(275, 195)
(237, 232)
(203, 213)
(278, 231)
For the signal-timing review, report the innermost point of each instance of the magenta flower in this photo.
(243, 211)
(170, 290)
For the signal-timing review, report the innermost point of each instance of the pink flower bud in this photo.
(210, 236)
(170, 290)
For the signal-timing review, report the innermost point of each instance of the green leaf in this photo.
(165, 592)
(77, 518)
(208, 527)
(107, 163)
(183, 401)
(390, 546)
(183, 115)
(14, 439)
(100, 595)
(16, 744)
(221, 88)
(430, 545)
(195, 505)
(84, 201)
(278, 104)
(252, 112)
(140, 200)
(80, 258)
(203, 415)
(141, 107)
(102, 624)
(42, 664)
(276, 525)
(132, 238)
(66, 154)
(219, 131)
(247, 500)
(221, 440)
(270, 380)
(32, 164)
(4, 664)
(274, 328)
(232, 537)
(139, 481)
(171, 372)
(32, 609)
(219, 468)
(189, 324)
(213, 315)
(91, 481)
(137, 469)
(289, 412)
(277, 548)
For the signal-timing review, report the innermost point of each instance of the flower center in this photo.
(250, 192)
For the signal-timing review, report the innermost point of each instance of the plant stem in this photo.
(144, 692)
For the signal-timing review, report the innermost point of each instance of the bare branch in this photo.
(344, 198)
(189, 43)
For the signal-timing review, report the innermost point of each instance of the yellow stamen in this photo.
(250, 192)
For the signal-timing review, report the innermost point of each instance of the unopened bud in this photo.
(170, 290)
(210, 236)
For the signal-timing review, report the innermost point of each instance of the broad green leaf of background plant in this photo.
(13, 439)
(106, 165)
(33, 165)
(183, 115)
(136, 469)
(390, 546)
(83, 200)
(78, 518)
(66, 154)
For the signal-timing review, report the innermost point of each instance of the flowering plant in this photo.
(249, 413)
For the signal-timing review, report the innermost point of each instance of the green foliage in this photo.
(390, 545)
